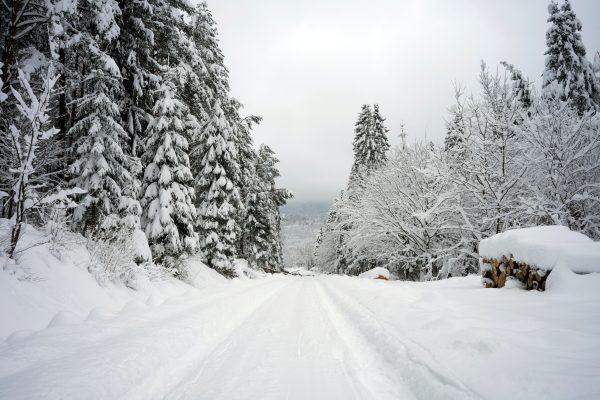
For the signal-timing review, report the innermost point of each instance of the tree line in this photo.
(119, 114)
(513, 156)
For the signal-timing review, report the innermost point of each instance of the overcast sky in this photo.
(306, 67)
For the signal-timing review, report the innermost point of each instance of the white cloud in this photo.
(307, 66)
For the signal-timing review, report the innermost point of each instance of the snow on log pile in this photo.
(376, 273)
(530, 254)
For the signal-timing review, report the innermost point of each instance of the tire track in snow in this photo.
(178, 369)
(284, 351)
(56, 343)
(130, 355)
(377, 344)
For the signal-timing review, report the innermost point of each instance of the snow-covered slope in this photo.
(40, 288)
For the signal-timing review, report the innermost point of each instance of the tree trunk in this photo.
(20, 212)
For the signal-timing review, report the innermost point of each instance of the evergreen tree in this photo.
(205, 36)
(102, 168)
(268, 172)
(247, 161)
(378, 155)
(455, 133)
(140, 70)
(264, 219)
(370, 143)
(568, 74)
(169, 213)
(217, 196)
(521, 85)
(362, 130)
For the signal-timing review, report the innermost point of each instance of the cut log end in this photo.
(497, 272)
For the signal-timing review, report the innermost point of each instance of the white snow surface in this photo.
(40, 287)
(319, 337)
(375, 273)
(289, 336)
(545, 247)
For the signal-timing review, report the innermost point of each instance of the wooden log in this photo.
(501, 280)
(501, 270)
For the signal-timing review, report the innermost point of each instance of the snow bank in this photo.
(197, 274)
(376, 273)
(563, 281)
(40, 289)
(243, 271)
(545, 247)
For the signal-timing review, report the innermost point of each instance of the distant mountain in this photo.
(301, 223)
(306, 209)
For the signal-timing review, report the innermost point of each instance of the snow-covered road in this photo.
(312, 338)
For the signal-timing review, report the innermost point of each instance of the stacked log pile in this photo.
(495, 273)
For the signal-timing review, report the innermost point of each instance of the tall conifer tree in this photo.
(568, 74)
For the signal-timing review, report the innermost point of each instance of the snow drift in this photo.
(47, 285)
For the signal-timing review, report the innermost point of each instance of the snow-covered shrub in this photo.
(59, 237)
(563, 155)
(112, 257)
(406, 218)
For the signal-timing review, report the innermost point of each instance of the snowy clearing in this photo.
(322, 337)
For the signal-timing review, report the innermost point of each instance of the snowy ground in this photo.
(322, 337)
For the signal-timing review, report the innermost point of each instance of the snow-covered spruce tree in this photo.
(102, 168)
(204, 34)
(370, 147)
(378, 156)
(134, 53)
(154, 47)
(169, 214)
(208, 77)
(520, 85)
(223, 145)
(370, 154)
(72, 26)
(264, 219)
(362, 133)
(370, 143)
(217, 197)
(568, 73)
(247, 161)
(455, 140)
